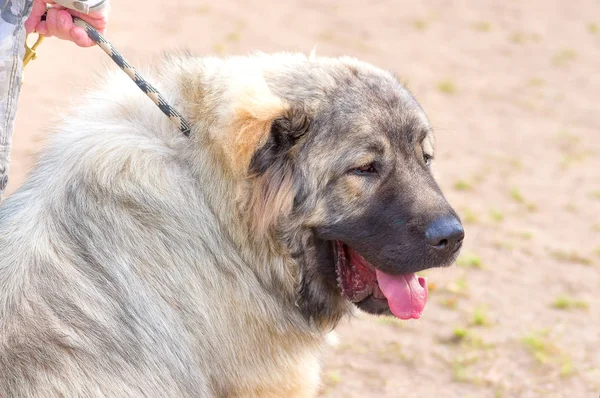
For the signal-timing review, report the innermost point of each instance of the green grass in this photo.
(332, 378)
(469, 216)
(233, 37)
(462, 185)
(461, 371)
(459, 287)
(516, 163)
(571, 257)
(391, 352)
(516, 195)
(593, 28)
(571, 207)
(564, 57)
(482, 26)
(420, 24)
(480, 316)
(503, 245)
(539, 346)
(496, 215)
(545, 352)
(446, 87)
(531, 207)
(219, 48)
(468, 339)
(518, 37)
(523, 235)
(469, 260)
(595, 194)
(536, 82)
(565, 302)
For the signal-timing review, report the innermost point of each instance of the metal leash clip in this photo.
(30, 53)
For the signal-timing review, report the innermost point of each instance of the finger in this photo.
(80, 37)
(42, 29)
(38, 9)
(51, 21)
(98, 20)
(64, 24)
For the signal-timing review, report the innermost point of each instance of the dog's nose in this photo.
(445, 233)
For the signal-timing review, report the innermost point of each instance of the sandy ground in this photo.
(513, 90)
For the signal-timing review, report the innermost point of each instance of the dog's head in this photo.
(340, 175)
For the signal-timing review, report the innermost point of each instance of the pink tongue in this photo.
(406, 294)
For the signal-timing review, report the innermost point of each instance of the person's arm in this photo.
(17, 19)
(13, 15)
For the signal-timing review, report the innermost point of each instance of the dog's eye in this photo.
(365, 169)
(428, 159)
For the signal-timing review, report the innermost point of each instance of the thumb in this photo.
(38, 9)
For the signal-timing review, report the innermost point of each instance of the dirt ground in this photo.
(513, 91)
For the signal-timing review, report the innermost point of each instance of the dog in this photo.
(135, 261)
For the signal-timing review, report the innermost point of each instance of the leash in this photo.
(152, 93)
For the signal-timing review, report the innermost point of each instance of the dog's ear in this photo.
(285, 132)
(272, 170)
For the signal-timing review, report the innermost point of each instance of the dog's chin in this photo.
(375, 306)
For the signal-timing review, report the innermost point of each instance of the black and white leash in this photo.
(142, 83)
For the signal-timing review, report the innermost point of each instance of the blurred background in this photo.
(513, 91)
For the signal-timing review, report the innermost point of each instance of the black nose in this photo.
(445, 233)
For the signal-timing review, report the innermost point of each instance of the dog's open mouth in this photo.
(366, 286)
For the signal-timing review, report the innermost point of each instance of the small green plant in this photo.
(536, 82)
(480, 316)
(460, 368)
(459, 287)
(545, 352)
(571, 257)
(469, 260)
(595, 194)
(496, 215)
(523, 235)
(233, 37)
(531, 207)
(446, 87)
(565, 302)
(516, 195)
(469, 217)
(516, 163)
(538, 346)
(482, 26)
(332, 378)
(563, 57)
(571, 207)
(420, 24)
(462, 185)
(468, 339)
(518, 37)
(219, 48)
(502, 245)
(593, 28)
(391, 352)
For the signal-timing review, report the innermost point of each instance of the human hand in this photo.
(59, 22)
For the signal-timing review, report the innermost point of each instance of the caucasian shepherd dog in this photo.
(136, 261)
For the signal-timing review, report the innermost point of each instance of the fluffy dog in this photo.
(135, 261)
